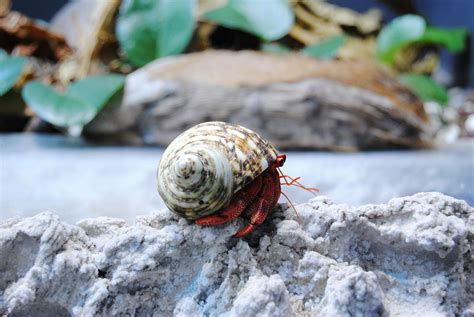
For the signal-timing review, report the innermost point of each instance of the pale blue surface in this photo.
(78, 180)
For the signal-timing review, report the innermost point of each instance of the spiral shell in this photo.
(206, 165)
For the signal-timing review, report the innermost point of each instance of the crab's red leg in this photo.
(276, 182)
(253, 207)
(268, 197)
(238, 204)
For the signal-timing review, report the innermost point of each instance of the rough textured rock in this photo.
(412, 256)
(292, 100)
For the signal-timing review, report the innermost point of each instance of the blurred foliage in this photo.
(410, 31)
(325, 49)
(127, 34)
(11, 68)
(269, 20)
(147, 30)
(425, 88)
(398, 33)
(78, 105)
(453, 39)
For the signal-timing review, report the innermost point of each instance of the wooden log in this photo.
(296, 102)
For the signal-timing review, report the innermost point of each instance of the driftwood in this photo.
(296, 102)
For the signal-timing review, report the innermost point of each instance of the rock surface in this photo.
(412, 256)
(293, 101)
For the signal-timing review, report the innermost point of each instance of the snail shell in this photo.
(206, 165)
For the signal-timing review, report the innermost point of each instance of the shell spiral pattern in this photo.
(206, 165)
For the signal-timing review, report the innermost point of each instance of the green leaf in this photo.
(60, 110)
(274, 48)
(269, 19)
(425, 88)
(325, 49)
(10, 70)
(96, 90)
(398, 33)
(147, 30)
(78, 106)
(453, 39)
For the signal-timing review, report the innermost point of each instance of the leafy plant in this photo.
(409, 29)
(325, 49)
(269, 19)
(425, 88)
(78, 106)
(147, 29)
(452, 39)
(11, 68)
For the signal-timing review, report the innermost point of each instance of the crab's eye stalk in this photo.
(281, 159)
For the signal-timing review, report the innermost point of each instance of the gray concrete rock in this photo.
(412, 256)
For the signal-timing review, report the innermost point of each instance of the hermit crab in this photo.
(216, 171)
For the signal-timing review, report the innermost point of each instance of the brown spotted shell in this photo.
(206, 165)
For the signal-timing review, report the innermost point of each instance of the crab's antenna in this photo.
(294, 182)
(298, 219)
